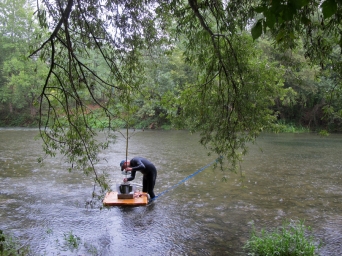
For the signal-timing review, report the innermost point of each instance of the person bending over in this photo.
(147, 169)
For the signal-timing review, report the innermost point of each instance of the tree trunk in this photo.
(32, 110)
(10, 106)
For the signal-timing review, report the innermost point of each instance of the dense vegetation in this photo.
(226, 69)
(308, 89)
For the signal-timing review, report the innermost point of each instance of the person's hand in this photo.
(128, 169)
(125, 180)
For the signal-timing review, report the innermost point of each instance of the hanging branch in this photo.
(127, 142)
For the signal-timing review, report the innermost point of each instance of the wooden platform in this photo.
(111, 199)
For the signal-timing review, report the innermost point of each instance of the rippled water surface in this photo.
(287, 176)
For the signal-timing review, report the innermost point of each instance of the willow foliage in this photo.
(230, 102)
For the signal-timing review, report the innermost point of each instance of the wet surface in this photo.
(295, 176)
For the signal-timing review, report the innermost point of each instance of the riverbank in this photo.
(24, 120)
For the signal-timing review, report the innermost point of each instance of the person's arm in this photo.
(138, 165)
(132, 176)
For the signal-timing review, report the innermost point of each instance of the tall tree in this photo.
(165, 72)
(22, 88)
(316, 25)
(21, 76)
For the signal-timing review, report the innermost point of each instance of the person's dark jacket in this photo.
(143, 165)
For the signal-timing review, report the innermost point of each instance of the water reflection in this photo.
(295, 176)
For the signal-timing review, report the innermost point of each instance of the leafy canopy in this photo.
(229, 103)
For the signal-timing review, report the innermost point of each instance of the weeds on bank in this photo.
(290, 239)
(283, 127)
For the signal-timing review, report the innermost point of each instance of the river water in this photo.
(287, 177)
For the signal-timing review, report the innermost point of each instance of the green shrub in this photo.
(289, 240)
(283, 127)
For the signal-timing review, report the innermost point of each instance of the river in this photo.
(286, 177)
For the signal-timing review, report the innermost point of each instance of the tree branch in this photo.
(65, 16)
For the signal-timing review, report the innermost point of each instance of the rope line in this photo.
(185, 179)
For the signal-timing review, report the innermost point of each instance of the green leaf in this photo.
(288, 12)
(270, 19)
(257, 30)
(260, 9)
(276, 6)
(280, 35)
(299, 3)
(329, 8)
(305, 20)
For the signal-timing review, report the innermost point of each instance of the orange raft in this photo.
(111, 199)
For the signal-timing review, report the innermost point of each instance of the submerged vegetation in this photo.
(10, 246)
(292, 238)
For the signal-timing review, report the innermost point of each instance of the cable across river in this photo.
(185, 179)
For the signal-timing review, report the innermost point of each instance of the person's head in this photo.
(124, 164)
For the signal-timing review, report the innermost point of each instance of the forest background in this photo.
(310, 89)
